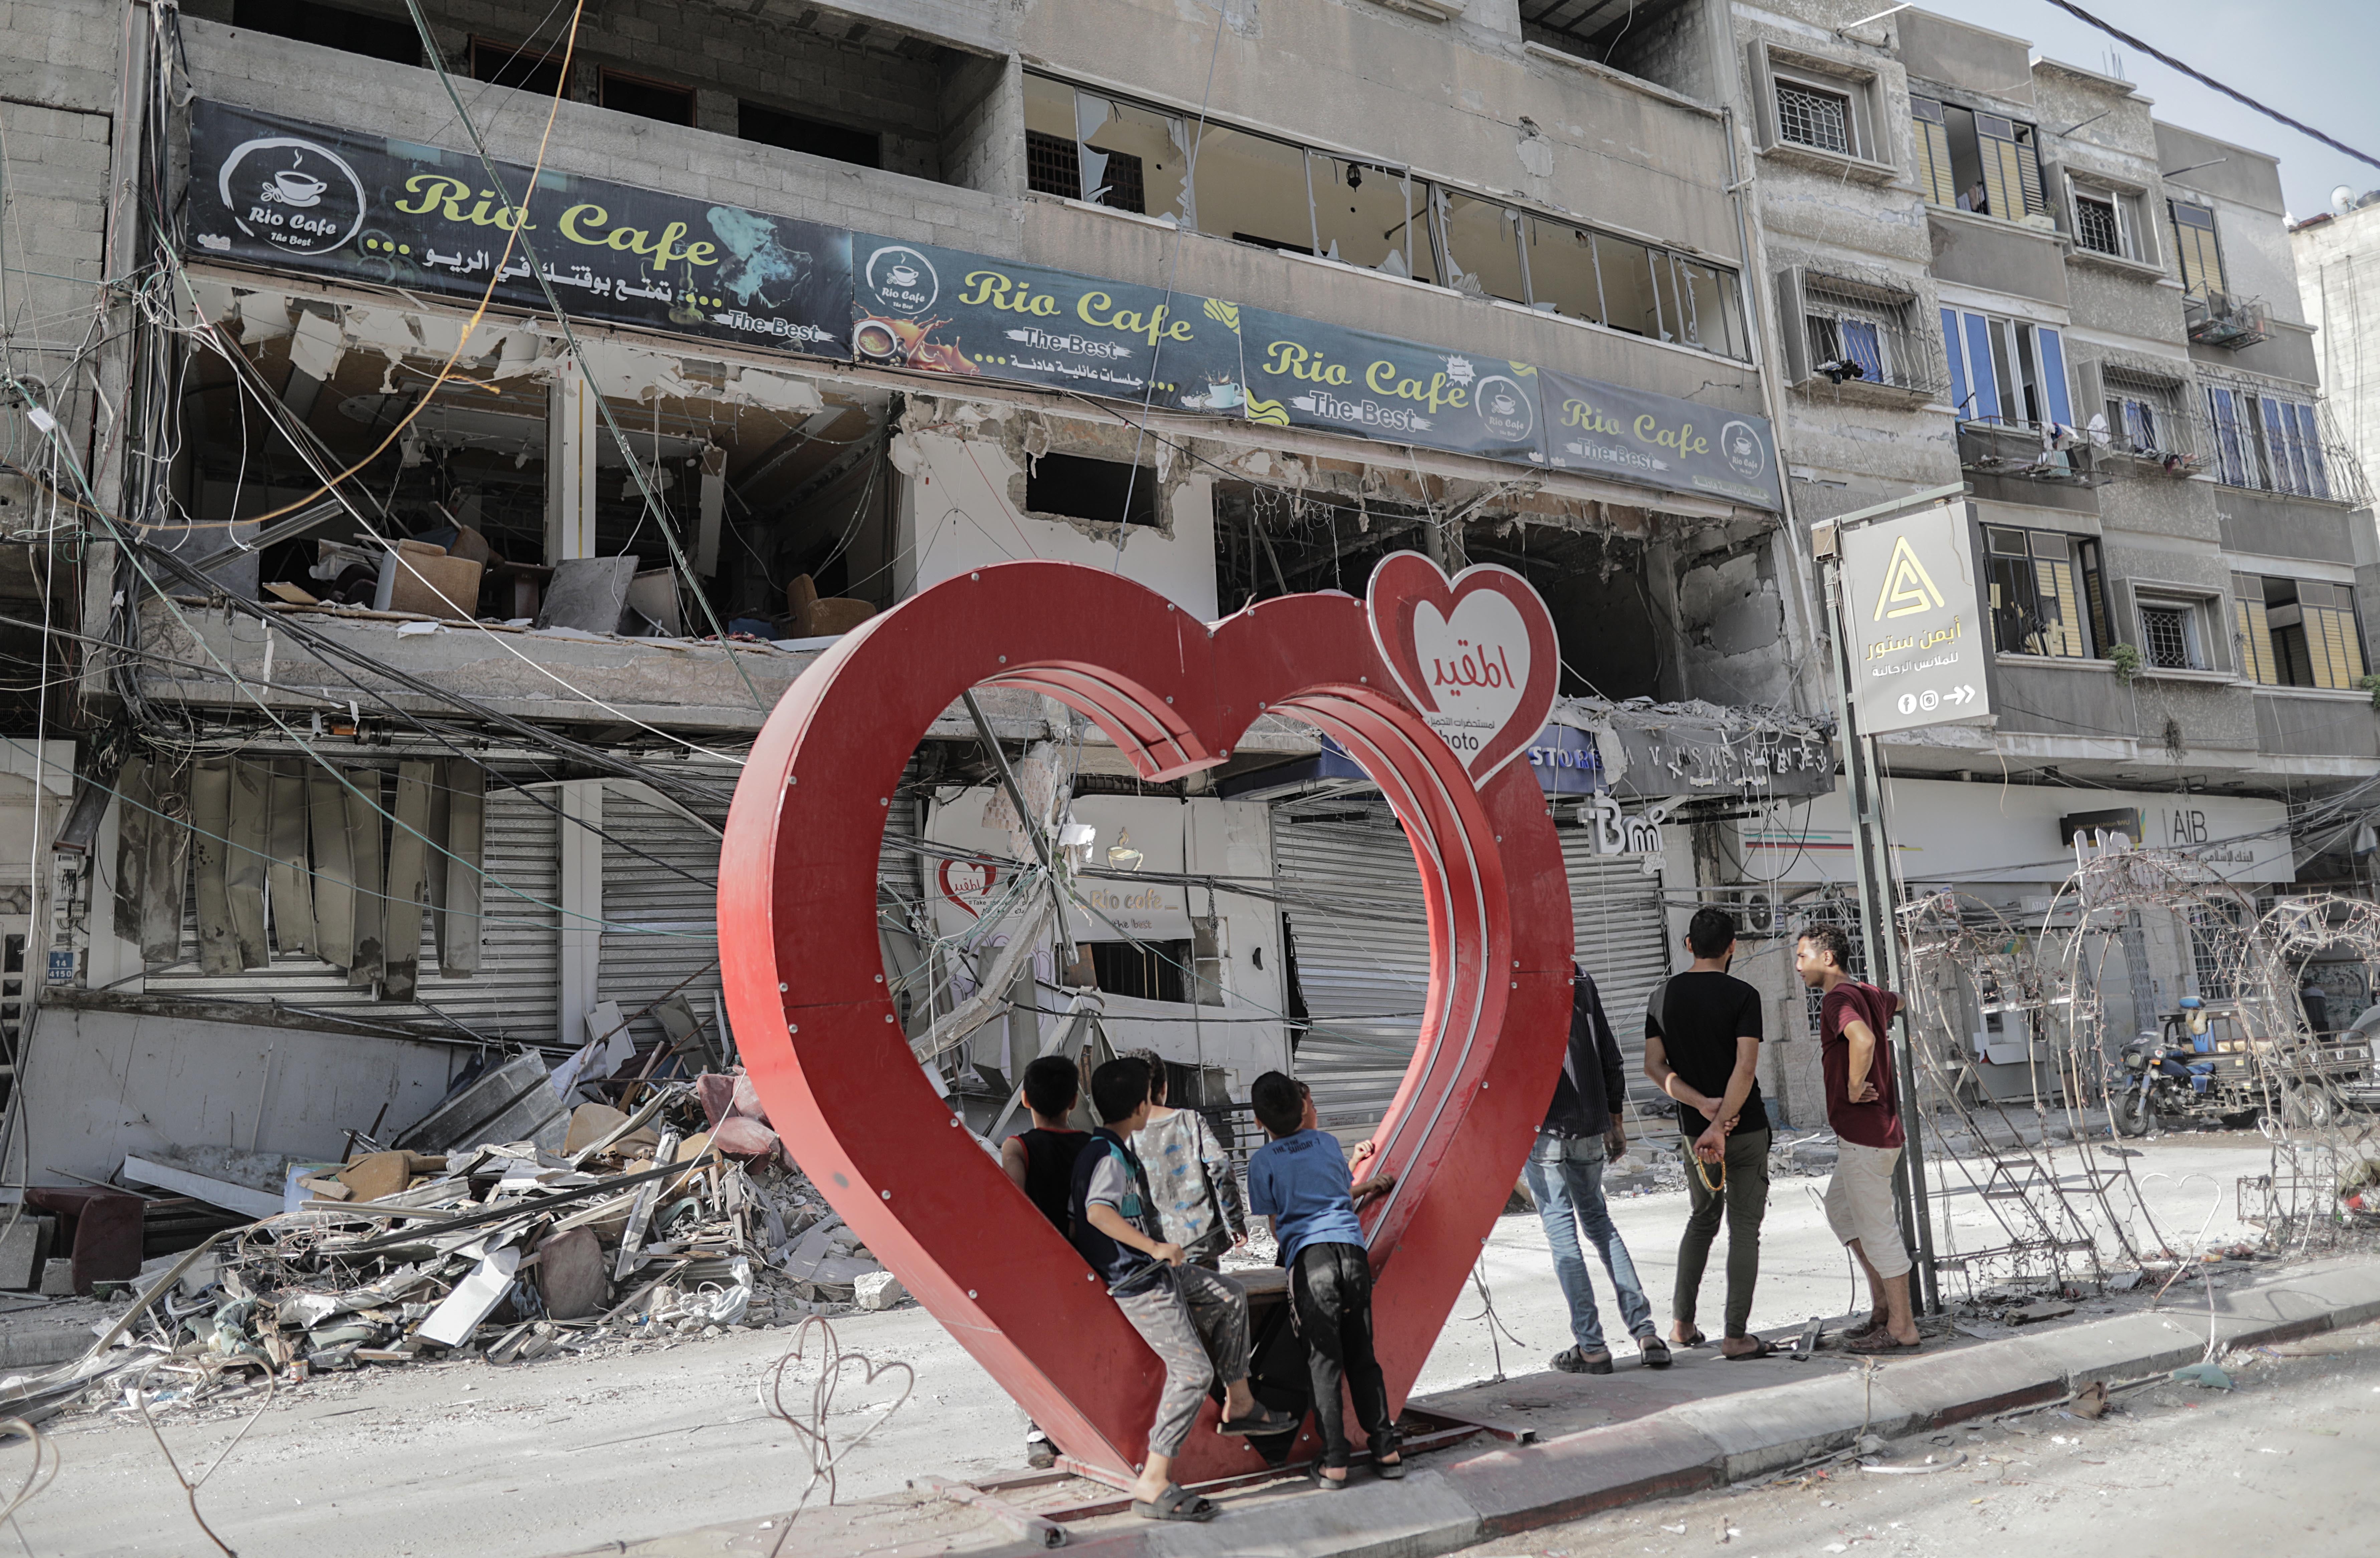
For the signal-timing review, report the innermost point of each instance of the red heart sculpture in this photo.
(1477, 654)
(824, 1046)
(960, 895)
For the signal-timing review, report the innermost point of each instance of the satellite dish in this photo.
(2342, 200)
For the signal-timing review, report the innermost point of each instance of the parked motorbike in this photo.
(2209, 1063)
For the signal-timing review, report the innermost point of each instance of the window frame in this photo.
(1872, 154)
(2187, 611)
(2188, 253)
(2080, 589)
(2024, 355)
(1857, 138)
(2324, 615)
(2268, 440)
(1429, 201)
(1937, 139)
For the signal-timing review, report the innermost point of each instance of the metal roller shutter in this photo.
(660, 910)
(1351, 896)
(1621, 937)
(512, 997)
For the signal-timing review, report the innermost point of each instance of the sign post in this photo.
(1912, 649)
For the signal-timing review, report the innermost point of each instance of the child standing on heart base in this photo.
(1302, 1181)
(1195, 1319)
(1041, 1162)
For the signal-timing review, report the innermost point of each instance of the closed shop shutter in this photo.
(1620, 935)
(1357, 927)
(660, 910)
(513, 996)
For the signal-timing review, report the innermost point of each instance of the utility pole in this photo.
(1872, 858)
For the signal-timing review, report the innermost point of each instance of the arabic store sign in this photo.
(1913, 611)
(1658, 441)
(278, 192)
(943, 310)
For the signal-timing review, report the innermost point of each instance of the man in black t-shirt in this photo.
(1702, 1048)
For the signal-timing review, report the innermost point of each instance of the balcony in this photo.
(2219, 318)
(2031, 452)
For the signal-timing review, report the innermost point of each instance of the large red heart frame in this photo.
(825, 1048)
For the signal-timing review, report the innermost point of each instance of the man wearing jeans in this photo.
(1565, 1177)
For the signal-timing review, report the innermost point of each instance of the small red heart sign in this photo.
(1476, 654)
(819, 1029)
(966, 883)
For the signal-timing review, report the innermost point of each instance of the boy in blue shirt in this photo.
(1194, 1319)
(1301, 1181)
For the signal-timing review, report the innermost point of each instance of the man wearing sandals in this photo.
(1702, 1047)
(1194, 1319)
(1861, 1105)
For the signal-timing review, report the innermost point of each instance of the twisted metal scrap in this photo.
(810, 1428)
(190, 1487)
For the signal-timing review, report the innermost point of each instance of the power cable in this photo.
(2206, 81)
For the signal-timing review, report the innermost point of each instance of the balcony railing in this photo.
(1848, 350)
(2219, 318)
(2031, 451)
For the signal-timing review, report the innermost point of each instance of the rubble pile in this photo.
(683, 1217)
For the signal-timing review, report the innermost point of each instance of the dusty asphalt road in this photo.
(2289, 1463)
(463, 1460)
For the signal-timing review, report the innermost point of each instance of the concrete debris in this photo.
(507, 1250)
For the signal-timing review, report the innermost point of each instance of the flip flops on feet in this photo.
(1317, 1475)
(1177, 1502)
(1390, 1470)
(1762, 1348)
(1654, 1351)
(1881, 1344)
(1265, 1421)
(1578, 1361)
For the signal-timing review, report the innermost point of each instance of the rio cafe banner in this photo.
(277, 192)
(274, 191)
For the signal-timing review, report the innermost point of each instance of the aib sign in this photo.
(292, 193)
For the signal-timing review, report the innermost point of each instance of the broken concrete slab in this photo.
(570, 1276)
(23, 1248)
(878, 1290)
(589, 593)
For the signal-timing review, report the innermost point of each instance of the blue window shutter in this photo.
(1957, 363)
(2053, 373)
(2310, 438)
(1979, 362)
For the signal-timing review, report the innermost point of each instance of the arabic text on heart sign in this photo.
(1476, 665)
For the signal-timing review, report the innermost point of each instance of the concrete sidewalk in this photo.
(1566, 1445)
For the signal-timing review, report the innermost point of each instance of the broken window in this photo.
(1562, 278)
(1699, 306)
(1369, 215)
(1483, 247)
(648, 100)
(1253, 188)
(334, 27)
(516, 66)
(1631, 301)
(1090, 147)
(772, 127)
(1073, 487)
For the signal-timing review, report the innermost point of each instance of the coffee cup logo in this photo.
(898, 280)
(296, 195)
(1742, 449)
(1506, 410)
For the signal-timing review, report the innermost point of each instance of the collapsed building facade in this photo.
(421, 574)
(433, 568)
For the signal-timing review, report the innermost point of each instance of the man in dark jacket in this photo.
(1565, 1177)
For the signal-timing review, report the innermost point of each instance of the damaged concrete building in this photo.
(404, 576)
(1999, 269)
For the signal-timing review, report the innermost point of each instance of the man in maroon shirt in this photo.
(1861, 1106)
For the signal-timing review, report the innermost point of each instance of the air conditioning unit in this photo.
(1754, 909)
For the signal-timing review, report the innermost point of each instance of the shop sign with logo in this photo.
(1912, 609)
(1304, 373)
(1618, 831)
(1659, 441)
(277, 191)
(943, 310)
